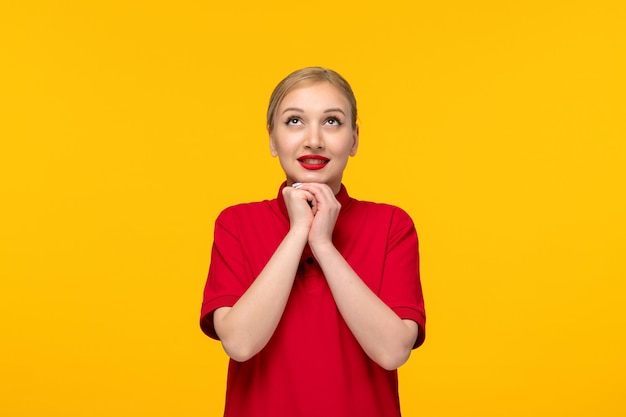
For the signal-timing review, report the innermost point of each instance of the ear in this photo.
(273, 150)
(355, 141)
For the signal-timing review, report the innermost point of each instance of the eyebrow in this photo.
(297, 109)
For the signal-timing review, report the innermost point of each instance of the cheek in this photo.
(287, 141)
(343, 145)
(283, 147)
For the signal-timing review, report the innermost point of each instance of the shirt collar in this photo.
(342, 196)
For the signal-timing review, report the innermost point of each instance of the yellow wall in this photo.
(126, 126)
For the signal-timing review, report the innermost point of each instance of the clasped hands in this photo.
(313, 209)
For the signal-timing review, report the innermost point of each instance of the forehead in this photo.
(321, 95)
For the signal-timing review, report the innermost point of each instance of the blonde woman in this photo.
(314, 295)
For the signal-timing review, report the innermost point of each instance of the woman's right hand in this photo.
(247, 326)
(300, 213)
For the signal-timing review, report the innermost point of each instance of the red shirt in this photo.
(313, 366)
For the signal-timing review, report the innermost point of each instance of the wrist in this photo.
(321, 248)
(299, 233)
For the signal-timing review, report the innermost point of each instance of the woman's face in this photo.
(313, 135)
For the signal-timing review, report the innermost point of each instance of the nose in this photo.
(314, 139)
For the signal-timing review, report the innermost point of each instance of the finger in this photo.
(314, 204)
(309, 197)
(293, 192)
(322, 192)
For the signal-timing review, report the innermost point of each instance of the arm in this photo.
(386, 338)
(246, 327)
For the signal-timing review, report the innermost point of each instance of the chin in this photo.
(311, 178)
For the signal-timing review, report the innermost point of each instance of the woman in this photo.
(314, 295)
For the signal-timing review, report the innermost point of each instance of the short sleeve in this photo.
(401, 288)
(228, 277)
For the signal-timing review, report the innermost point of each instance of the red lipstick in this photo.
(313, 162)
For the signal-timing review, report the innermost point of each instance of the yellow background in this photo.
(126, 126)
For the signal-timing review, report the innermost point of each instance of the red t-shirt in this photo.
(313, 365)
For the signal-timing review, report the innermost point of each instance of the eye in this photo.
(333, 121)
(293, 121)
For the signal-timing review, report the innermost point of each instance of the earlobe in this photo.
(273, 147)
(355, 141)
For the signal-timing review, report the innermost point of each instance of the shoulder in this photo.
(236, 216)
(381, 211)
(248, 209)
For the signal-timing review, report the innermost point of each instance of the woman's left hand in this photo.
(326, 209)
(384, 336)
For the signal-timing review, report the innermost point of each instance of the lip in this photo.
(313, 162)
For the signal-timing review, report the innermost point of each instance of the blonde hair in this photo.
(305, 77)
